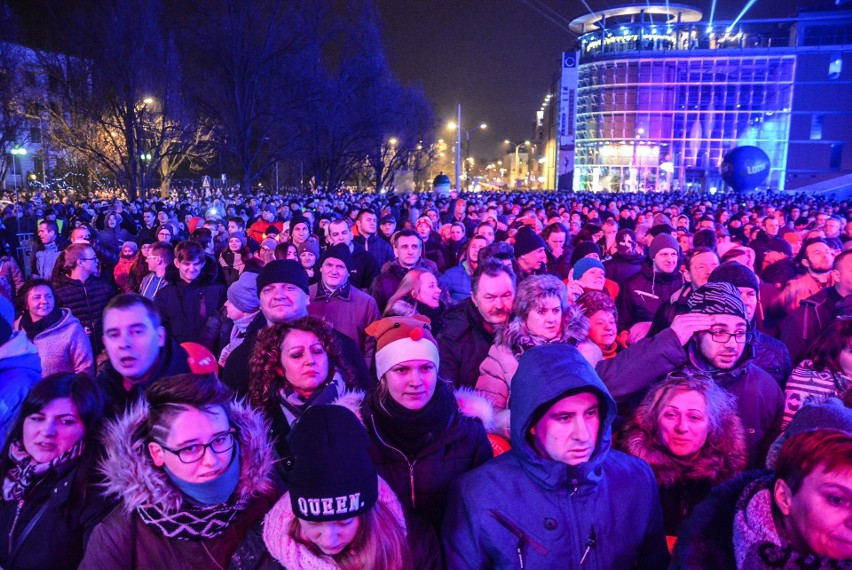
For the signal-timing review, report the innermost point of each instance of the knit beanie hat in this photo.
(735, 273)
(238, 235)
(585, 264)
(623, 246)
(661, 229)
(271, 230)
(527, 241)
(283, 271)
(310, 245)
(269, 243)
(299, 219)
(583, 249)
(661, 242)
(399, 339)
(719, 298)
(779, 245)
(821, 414)
(332, 476)
(340, 251)
(243, 293)
(7, 317)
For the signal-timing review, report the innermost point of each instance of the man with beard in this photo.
(712, 338)
(643, 294)
(818, 259)
(468, 329)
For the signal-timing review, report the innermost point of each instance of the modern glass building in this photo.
(661, 96)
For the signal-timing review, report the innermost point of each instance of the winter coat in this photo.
(387, 282)
(350, 311)
(434, 251)
(236, 371)
(44, 260)
(20, 369)
(49, 528)
(457, 280)
(86, 301)
(523, 510)
(171, 362)
(772, 356)
(11, 278)
(798, 289)
(456, 250)
(685, 483)
(621, 267)
(125, 540)
(121, 274)
(365, 268)
(269, 546)
(380, 249)
(643, 294)
(408, 307)
(64, 347)
(421, 482)
(802, 326)
(499, 366)
(807, 385)
(111, 241)
(463, 344)
(186, 307)
(760, 401)
(706, 538)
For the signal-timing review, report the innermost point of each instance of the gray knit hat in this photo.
(243, 293)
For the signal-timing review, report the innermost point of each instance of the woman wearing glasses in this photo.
(688, 430)
(193, 470)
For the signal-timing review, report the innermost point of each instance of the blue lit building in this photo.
(662, 95)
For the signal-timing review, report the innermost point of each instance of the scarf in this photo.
(757, 542)
(33, 329)
(192, 522)
(412, 430)
(609, 351)
(213, 492)
(26, 471)
(294, 405)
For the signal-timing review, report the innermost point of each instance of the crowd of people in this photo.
(347, 380)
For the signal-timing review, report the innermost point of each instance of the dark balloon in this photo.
(745, 167)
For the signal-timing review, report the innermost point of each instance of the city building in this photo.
(655, 96)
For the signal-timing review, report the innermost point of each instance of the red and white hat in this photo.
(399, 339)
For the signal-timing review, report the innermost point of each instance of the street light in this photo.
(16, 151)
(517, 156)
(456, 126)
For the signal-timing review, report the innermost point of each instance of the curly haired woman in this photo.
(294, 366)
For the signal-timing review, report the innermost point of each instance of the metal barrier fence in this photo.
(24, 253)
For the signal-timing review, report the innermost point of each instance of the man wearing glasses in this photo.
(712, 337)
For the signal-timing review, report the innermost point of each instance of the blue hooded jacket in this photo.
(522, 510)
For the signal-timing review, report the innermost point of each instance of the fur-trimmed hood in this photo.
(470, 404)
(722, 457)
(514, 334)
(130, 473)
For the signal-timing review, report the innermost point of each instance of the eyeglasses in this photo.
(723, 337)
(88, 259)
(152, 258)
(193, 453)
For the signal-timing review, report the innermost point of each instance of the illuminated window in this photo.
(816, 127)
(835, 66)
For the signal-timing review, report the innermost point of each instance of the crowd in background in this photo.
(492, 380)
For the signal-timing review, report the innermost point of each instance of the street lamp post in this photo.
(517, 167)
(458, 128)
(16, 152)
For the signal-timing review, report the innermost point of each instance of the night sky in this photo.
(498, 57)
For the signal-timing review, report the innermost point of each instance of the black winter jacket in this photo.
(172, 361)
(186, 307)
(422, 482)
(54, 523)
(772, 356)
(621, 267)
(387, 282)
(365, 268)
(803, 325)
(642, 295)
(379, 248)
(463, 344)
(86, 301)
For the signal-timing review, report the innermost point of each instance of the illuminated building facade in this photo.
(661, 97)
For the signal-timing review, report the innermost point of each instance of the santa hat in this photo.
(399, 339)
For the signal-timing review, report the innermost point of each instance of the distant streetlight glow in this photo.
(393, 140)
(452, 126)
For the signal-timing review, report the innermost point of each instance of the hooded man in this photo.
(563, 498)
